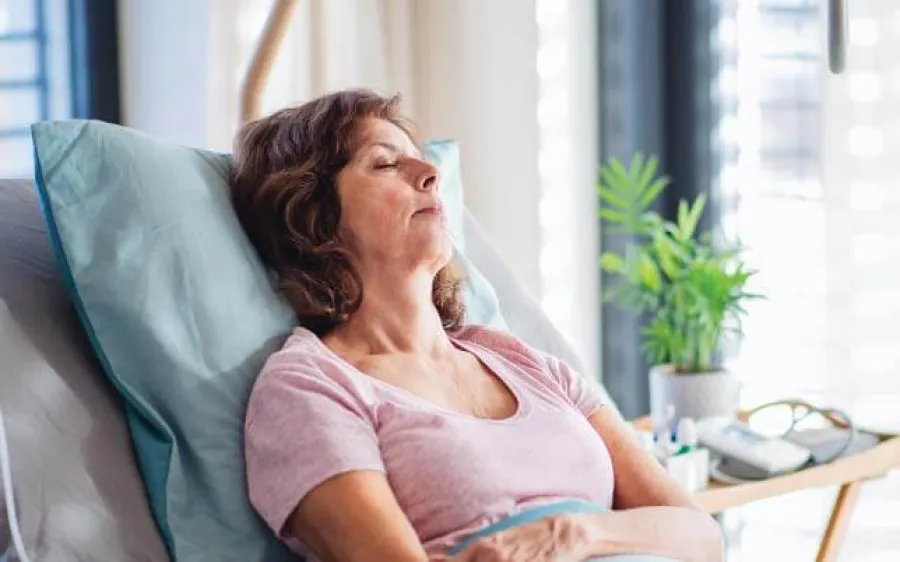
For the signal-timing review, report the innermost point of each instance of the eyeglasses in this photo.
(790, 419)
(781, 417)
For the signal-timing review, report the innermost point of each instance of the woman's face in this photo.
(390, 211)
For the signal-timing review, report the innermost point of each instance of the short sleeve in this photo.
(584, 393)
(301, 429)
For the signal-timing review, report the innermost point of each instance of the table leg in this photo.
(838, 522)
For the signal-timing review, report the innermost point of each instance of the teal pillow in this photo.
(181, 313)
(445, 155)
(482, 305)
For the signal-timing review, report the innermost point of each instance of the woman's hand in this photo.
(560, 538)
(675, 533)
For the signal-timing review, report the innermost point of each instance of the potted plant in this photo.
(691, 290)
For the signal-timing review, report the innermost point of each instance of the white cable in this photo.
(6, 469)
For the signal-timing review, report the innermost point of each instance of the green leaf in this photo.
(613, 181)
(612, 198)
(614, 216)
(633, 265)
(688, 218)
(612, 262)
(667, 252)
(619, 171)
(635, 169)
(682, 212)
(650, 273)
(647, 173)
(648, 223)
(653, 191)
(673, 231)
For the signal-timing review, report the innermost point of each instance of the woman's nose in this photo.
(427, 179)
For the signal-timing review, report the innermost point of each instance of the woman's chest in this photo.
(449, 472)
(466, 385)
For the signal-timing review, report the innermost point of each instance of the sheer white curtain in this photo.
(810, 173)
(331, 44)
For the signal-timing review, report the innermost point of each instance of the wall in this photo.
(165, 56)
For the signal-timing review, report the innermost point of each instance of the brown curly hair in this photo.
(283, 189)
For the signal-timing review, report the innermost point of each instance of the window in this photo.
(770, 88)
(33, 76)
(808, 181)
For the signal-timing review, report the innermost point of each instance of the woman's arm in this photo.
(354, 517)
(640, 481)
(652, 509)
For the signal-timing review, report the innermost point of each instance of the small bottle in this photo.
(689, 464)
(663, 448)
(664, 445)
(686, 436)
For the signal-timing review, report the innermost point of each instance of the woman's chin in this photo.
(434, 249)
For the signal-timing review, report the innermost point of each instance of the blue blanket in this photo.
(538, 513)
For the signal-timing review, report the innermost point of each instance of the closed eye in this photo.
(386, 165)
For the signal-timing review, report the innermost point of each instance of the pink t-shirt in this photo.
(312, 416)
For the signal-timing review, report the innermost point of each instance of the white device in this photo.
(760, 454)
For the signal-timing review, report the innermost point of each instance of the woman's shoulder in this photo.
(305, 366)
(300, 356)
(503, 343)
(302, 350)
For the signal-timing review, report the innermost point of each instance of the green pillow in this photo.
(181, 313)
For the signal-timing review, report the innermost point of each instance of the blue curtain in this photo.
(94, 60)
(656, 68)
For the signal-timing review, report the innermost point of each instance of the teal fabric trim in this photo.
(529, 516)
(560, 508)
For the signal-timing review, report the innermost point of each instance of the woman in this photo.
(385, 428)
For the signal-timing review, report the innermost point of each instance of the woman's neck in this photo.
(397, 315)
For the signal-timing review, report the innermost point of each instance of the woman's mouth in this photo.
(434, 210)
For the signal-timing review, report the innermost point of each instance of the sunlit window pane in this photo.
(863, 32)
(865, 141)
(810, 173)
(864, 87)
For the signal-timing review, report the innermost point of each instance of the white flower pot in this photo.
(696, 396)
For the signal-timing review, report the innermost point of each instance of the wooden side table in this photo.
(848, 473)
